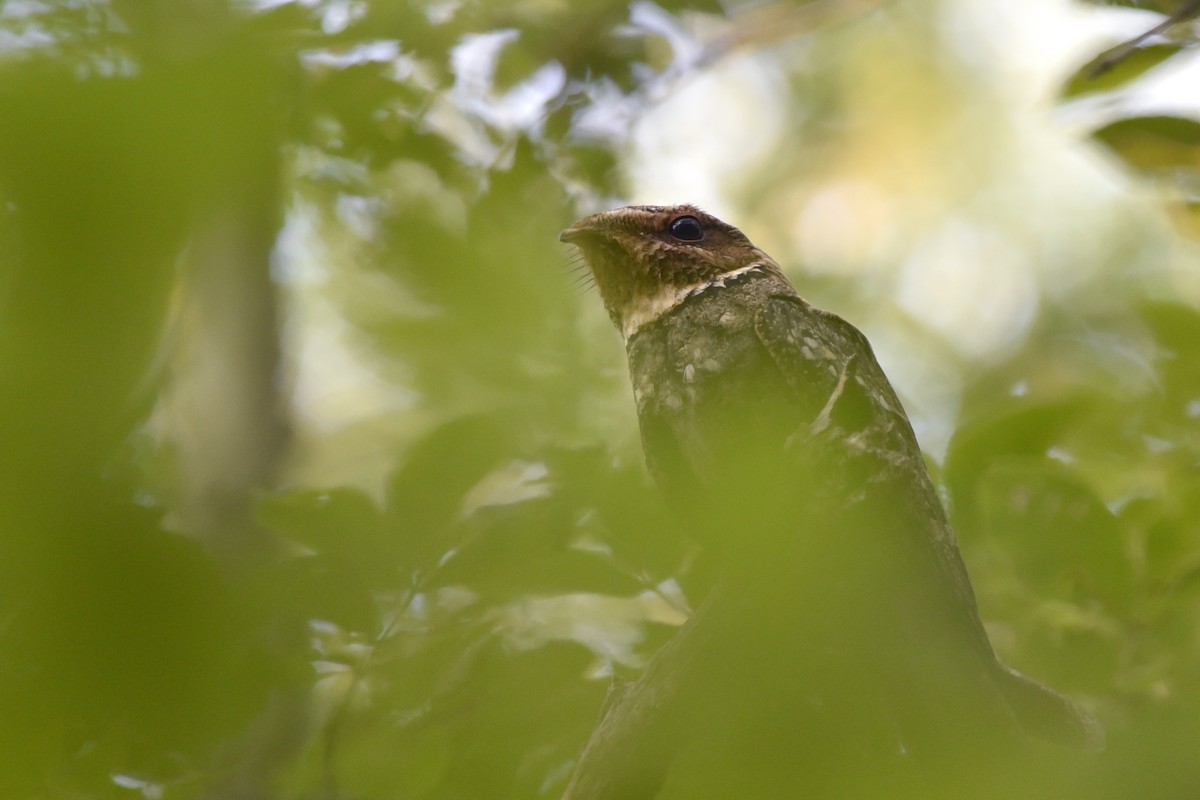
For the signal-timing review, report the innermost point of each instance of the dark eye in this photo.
(686, 229)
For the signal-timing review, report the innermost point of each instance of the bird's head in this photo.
(648, 259)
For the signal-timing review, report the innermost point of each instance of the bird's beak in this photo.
(573, 234)
(587, 227)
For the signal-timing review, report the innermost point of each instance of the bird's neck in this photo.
(649, 307)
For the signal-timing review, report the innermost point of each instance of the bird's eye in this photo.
(686, 229)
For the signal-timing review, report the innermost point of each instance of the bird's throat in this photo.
(647, 308)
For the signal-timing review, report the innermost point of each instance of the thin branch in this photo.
(1122, 51)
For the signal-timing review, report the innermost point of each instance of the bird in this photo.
(843, 620)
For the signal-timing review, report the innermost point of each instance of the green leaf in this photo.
(1114, 68)
(1154, 144)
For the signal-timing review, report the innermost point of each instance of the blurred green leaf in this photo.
(1097, 76)
(1154, 145)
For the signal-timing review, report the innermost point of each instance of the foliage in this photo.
(1162, 146)
(321, 480)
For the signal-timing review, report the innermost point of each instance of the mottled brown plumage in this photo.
(773, 431)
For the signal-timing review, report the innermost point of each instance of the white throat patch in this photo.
(644, 310)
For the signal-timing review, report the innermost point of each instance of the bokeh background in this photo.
(319, 469)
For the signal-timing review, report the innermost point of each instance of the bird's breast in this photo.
(715, 413)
